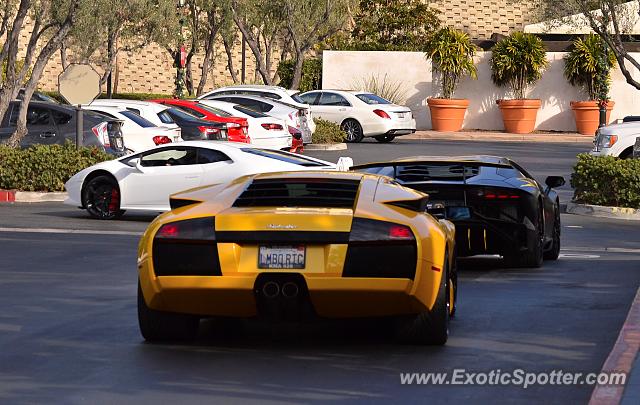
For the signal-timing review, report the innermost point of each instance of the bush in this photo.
(517, 61)
(588, 65)
(327, 132)
(44, 167)
(311, 74)
(385, 87)
(606, 181)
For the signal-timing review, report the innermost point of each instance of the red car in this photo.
(237, 128)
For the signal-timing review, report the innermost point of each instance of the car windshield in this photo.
(372, 99)
(214, 110)
(144, 123)
(249, 111)
(284, 157)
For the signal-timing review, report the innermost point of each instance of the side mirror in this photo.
(136, 163)
(555, 181)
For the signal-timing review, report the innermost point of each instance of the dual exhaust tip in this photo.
(271, 290)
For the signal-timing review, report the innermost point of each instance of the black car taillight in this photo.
(186, 248)
(380, 249)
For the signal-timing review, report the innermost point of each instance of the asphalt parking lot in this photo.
(68, 326)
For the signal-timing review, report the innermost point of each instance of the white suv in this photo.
(273, 92)
(616, 140)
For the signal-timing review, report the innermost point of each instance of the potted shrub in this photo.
(517, 61)
(588, 65)
(451, 52)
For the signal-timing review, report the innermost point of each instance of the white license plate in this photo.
(400, 115)
(281, 257)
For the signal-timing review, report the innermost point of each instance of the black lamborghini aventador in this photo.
(510, 213)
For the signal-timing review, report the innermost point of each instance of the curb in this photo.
(631, 214)
(326, 146)
(621, 358)
(500, 136)
(30, 196)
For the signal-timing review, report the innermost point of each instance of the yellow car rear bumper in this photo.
(234, 295)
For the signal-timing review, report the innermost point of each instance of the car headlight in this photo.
(607, 141)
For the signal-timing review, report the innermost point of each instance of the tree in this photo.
(262, 23)
(52, 20)
(397, 25)
(609, 19)
(106, 28)
(310, 22)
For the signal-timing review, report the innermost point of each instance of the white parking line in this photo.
(66, 231)
(600, 249)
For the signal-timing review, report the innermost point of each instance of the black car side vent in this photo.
(181, 202)
(330, 193)
(418, 205)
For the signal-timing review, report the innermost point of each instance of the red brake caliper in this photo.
(114, 201)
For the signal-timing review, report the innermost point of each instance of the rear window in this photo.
(372, 99)
(215, 111)
(436, 172)
(188, 110)
(165, 117)
(144, 123)
(284, 157)
(249, 111)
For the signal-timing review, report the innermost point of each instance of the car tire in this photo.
(428, 327)
(353, 130)
(101, 198)
(159, 326)
(533, 257)
(554, 252)
(385, 138)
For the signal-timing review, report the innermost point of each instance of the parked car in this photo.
(194, 128)
(511, 214)
(145, 180)
(264, 131)
(293, 116)
(49, 123)
(139, 134)
(273, 92)
(154, 112)
(361, 114)
(296, 246)
(616, 140)
(237, 127)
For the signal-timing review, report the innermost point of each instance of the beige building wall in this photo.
(412, 72)
(481, 18)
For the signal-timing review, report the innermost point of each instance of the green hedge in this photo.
(311, 74)
(327, 132)
(606, 181)
(44, 167)
(126, 96)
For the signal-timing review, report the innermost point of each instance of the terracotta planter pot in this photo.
(519, 116)
(587, 115)
(447, 115)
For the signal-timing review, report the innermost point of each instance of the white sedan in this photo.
(264, 131)
(361, 114)
(145, 181)
(138, 133)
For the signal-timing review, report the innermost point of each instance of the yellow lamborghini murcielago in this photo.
(292, 245)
